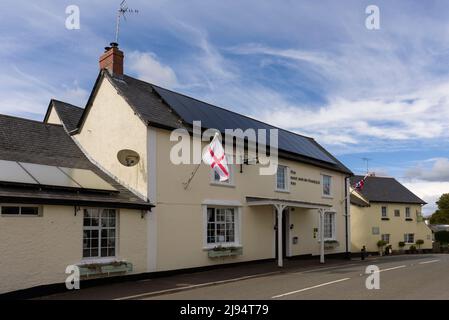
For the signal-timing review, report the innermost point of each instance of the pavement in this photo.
(401, 277)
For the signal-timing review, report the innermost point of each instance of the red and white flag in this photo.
(215, 157)
(359, 185)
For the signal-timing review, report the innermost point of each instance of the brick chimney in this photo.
(112, 59)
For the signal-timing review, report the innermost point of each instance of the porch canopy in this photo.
(280, 205)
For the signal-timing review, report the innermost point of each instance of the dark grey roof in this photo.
(69, 114)
(161, 107)
(385, 189)
(48, 144)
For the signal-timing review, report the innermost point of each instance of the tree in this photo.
(441, 216)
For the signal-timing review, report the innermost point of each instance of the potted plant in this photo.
(401, 245)
(381, 244)
(412, 249)
(419, 243)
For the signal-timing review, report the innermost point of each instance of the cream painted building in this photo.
(124, 114)
(386, 210)
(123, 136)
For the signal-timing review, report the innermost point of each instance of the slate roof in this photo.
(31, 141)
(386, 189)
(69, 114)
(160, 107)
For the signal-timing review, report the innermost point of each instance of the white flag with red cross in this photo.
(215, 157)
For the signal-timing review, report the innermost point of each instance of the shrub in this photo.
(412, 248)
(419, 243)
(401, 244)
(442, 236)
(381, 243)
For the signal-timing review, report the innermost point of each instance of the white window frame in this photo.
(228, 183)
(406, 238)
(408, 213)
(382, 212)
(99, 258)
(377, 229)
(398, 211)
(287, 179)
(334, 225)
(40, 210)
(330, 185)
(237, 221)
(385, 235)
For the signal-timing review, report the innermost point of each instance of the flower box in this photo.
(331, 244)
(224, 252)
(104, 269)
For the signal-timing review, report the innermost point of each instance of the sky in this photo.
(311, 67)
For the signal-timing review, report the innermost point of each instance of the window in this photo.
(397, 213)
(407, 213)
(216, 176)
(384, 212)
(375, 230)
(327, 181)
(20, 210)
(386, 238)
(99, 233)
(221, 225)
(329, 225)
(282, 178)
(409, 238)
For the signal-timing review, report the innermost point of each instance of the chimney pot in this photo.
(112, 59)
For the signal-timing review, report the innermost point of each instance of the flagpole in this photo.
(192, 175)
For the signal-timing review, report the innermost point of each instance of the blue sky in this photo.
(307, 66)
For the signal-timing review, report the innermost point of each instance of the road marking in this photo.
(430, 261)
(393, 268)
(309, 288)
(178, 289)
(327, 268)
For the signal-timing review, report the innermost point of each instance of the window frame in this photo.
(39, 207)
(406, 238)
(237, 225)
(333, 226)
(99, 228)
(382, 212)
(286, 179)
(382, 236)
(397, 212)
(330, 195)
(408, 213)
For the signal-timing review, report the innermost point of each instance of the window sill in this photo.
(223, 245)
(326, 197)
(99, 260)
(282, 191)
(220, 184)
(385, 219)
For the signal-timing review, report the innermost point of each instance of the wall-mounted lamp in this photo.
(292, 226)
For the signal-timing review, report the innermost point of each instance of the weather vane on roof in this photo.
(122, 11)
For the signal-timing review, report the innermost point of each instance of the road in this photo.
(401, 277)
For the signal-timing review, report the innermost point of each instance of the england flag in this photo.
(215, 157)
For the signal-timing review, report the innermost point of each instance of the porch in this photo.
(282, 206)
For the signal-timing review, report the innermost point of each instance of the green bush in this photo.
(381, 243)
(442, 236)
(401, 244)
(412, 248)
(419, 243)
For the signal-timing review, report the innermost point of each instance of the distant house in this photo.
(386, 210)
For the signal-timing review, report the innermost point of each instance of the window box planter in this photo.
(104, 269)
(331, 244)
(385, 219)
(408, 219)
(224, 252)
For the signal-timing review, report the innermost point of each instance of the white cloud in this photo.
(429, 192)
(438, 172)
(147, 67)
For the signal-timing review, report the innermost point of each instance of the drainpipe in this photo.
(347, 221)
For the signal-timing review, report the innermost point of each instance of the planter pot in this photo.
(105, 269)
